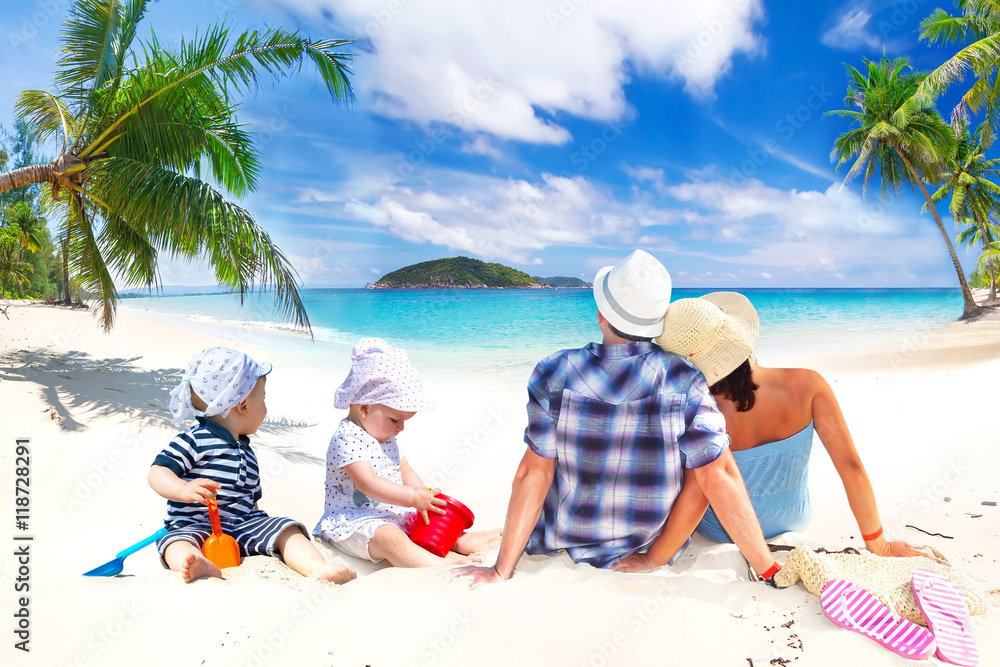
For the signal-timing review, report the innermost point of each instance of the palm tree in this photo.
(978, 22)
(11, 265)
(987, 235)
(897, 137)
(138, 122)
(26, 226)
(967, 175)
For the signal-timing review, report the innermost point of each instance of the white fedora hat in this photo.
(716, 332)
(634, 294)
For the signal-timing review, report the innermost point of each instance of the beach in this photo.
(93, 409)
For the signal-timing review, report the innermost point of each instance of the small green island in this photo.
(461, 273)
(564, 282)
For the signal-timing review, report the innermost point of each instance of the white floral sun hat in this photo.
(381, 373)
(221, 377)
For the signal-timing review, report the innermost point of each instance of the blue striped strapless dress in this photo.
(776, 475)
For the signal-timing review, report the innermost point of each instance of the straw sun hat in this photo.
(716, 332)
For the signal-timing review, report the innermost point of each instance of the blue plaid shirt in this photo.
(622, 421)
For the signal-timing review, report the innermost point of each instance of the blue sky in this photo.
(558, 135)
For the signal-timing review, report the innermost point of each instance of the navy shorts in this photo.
(255, 532)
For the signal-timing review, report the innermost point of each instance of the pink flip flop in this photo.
(852, 607)
(947, 616)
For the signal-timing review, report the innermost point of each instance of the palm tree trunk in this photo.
(36, 173)
(992, 299)
(67, 299)
(970, 308)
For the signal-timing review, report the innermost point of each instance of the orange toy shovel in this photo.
(220, 548)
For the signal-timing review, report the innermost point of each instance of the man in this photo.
(612, 427)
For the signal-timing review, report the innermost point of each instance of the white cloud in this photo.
(829, 232)
(851, 31)
(310, 269)
(492, 218)
(507, 68)
(481, 146)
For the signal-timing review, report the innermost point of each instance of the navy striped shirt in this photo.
(209, 451)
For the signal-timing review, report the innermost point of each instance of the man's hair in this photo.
(738, 387)
(621, 334)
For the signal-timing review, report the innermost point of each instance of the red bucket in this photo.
(440, 534)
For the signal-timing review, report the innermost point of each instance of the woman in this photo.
(771, 414)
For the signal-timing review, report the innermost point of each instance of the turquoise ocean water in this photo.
(456, 330)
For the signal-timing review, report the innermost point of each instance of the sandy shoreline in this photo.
(94, 408)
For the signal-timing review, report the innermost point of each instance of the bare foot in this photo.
(334, 573)
(454, 558)
(196, 567)
(478, 541)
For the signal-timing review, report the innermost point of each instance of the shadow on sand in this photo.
(78, 389)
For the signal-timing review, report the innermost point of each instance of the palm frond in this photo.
(88, 264)
(187, 217)
(254, 54)
(46, 114)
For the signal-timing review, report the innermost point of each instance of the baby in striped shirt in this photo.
(224, 389)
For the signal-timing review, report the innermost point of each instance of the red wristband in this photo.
(771, 571)
(873, 536)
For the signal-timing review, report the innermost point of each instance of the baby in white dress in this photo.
(373, 496)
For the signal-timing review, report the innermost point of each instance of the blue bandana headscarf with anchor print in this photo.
(221, 377)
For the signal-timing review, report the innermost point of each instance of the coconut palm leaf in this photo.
(46, 114)
(977, 25)
(236, 69)
(186, 217)
(87, 262)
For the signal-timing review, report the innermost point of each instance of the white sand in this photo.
(921, 409)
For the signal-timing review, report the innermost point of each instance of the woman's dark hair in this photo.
(738, 387)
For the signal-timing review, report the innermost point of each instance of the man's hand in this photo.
(637, 562)
(424, 500)
(198, 491)
(477, 575)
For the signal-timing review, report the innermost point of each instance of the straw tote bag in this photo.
(887, 578)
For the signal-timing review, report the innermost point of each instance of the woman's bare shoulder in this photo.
(801, 382)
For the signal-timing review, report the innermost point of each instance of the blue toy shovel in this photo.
(113, 567)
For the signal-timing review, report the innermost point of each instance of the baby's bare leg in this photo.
(393, 544)
(478, 542)
(188, 559)
(300, 554)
